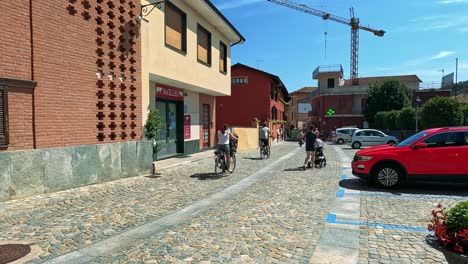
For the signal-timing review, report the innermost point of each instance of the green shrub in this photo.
(441, 112)
(391, 119)
(153, 124)
(457, 217)
(407, 119)
(379, 120)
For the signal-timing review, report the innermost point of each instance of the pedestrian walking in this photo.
(300, 138)
(310, 138)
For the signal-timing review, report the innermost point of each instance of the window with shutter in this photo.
(204, 45)
(3, 117)
(222, 57)
(175, 21)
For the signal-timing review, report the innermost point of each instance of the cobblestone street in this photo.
(267, 211)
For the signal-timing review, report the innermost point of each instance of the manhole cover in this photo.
(12, 252)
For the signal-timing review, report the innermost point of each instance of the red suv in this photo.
(437, 154)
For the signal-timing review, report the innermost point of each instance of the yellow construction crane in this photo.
(353, 22)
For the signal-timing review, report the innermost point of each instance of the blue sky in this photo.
(422, 37)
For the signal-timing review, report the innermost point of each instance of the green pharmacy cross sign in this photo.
(330, 112)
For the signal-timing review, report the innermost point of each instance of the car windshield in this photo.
(411, 139)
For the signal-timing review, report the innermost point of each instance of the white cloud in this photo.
(237, 4)
(442, 54)
(453, 1)
(463, 66)
(434, 23)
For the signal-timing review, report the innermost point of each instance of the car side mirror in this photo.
(420, 145)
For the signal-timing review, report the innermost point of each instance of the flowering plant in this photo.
(451, 226)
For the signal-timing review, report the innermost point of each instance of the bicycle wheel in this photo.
(219, 166)
(233, 162)
(262, 152)
(267, 150)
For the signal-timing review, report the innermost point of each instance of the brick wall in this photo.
(72, 40)
(15, 51)
(20, 117)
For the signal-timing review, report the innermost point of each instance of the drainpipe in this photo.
(32, 74)
(241, 40)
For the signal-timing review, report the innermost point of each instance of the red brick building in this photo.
(337, 103)
(70, 73)
(254, 94)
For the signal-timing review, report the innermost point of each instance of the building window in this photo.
(240, 80)
(363, 105)
(274, 113)
(331, 83)
(292, 101)
(3, 117)
(222, 57)
(175, 21)
(203, 45)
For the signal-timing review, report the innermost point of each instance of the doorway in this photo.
(206, 125)
(169, 137)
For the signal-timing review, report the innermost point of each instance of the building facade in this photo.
(186, 47)
(337, 103)
(299, 107)
(70, 95)
(255, 95)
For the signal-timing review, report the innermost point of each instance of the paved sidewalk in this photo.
(185, 159)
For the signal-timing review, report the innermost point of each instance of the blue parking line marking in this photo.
(331, 218)
(344, 176)
(408, 196)
(345, 168)
(340, 193)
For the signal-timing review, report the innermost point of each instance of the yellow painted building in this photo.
(186, 63)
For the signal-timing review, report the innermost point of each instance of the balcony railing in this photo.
(328, 68)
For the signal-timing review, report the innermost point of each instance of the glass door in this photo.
(167, 136)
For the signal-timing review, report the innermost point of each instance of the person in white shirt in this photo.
(264, 134)
(223, 144)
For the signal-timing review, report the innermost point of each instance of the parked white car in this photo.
(370, 137)
(343, 134)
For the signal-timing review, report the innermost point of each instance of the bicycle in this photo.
(220, 162)
(264, 150)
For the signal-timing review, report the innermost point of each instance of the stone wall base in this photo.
(32, 172)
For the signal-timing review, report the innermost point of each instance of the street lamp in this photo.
(417, 115)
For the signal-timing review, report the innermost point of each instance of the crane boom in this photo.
(353, 22)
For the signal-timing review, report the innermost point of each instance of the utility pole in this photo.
(417, 112)
(456, 70)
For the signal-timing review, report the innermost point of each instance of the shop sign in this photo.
(186, 126)
(169, 93)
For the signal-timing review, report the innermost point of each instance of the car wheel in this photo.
(340, 141)
(388, 176)
(356, 145)
(391, 142)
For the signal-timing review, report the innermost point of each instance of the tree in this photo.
(441, 112)
(407, 119)
(460, 88)
(386, 96)
(153, 124)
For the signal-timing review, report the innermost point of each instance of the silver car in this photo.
(343, 134)
(370, 137)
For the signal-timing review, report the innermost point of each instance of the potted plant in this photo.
(450, 228)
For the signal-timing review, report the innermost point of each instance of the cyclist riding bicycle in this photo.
(224, 135)
(264, 133)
